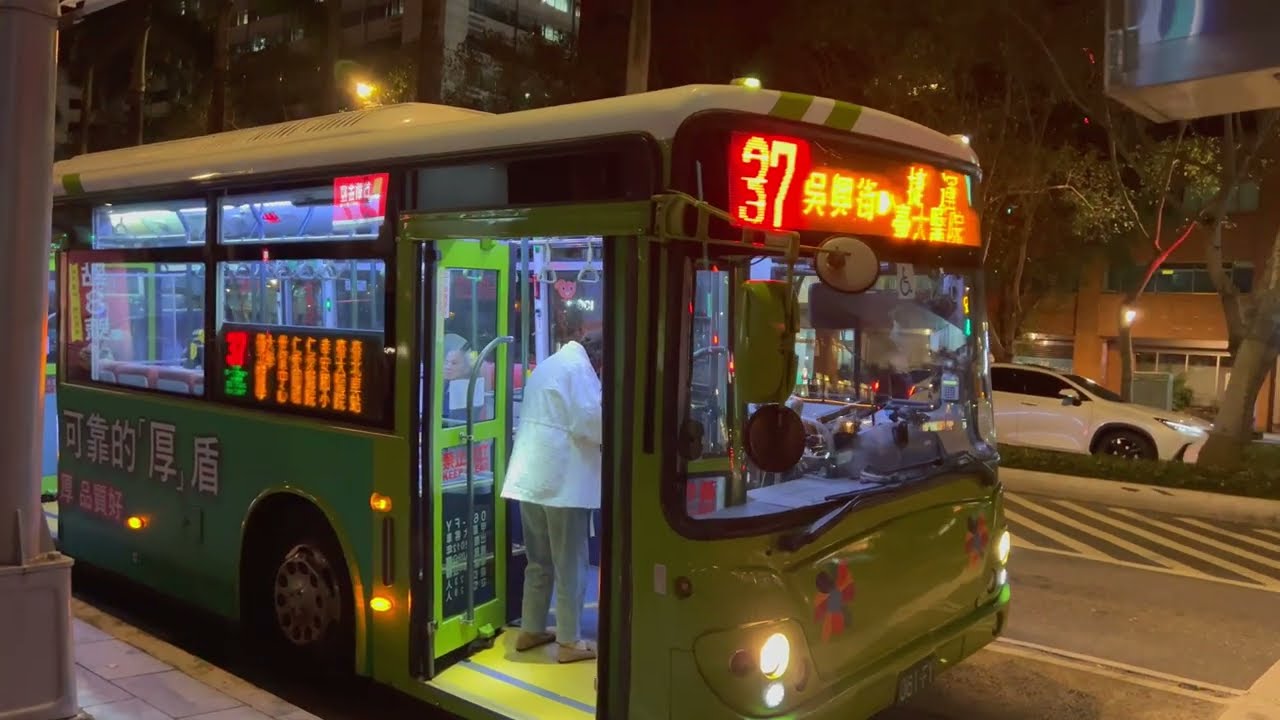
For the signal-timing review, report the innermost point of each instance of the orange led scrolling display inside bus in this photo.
(303, 369)
(780, 182)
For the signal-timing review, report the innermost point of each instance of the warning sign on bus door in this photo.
(456, 531)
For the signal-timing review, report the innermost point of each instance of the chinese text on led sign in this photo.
(782, 182)
(309, 370)
(359, 198)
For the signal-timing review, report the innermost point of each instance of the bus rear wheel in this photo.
(300, 597)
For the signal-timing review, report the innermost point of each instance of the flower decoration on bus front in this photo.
(832, 603)
(976, 538)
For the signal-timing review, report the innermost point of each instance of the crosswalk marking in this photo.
(1060, 538)
(1219, 561)
(1203, 539)
(1166, 543)
(1235, 535)
(1138, 550)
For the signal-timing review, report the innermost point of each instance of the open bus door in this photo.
(465, 431)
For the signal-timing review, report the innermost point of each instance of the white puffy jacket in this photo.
(556, 458)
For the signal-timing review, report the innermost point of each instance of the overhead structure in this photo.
(1186, 59)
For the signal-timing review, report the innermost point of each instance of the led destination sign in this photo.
(781, 182)
(308, 370)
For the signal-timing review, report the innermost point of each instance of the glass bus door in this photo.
(467, 412)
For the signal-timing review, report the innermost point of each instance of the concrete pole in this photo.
(37, 678)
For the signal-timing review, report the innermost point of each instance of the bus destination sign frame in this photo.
(783, 182)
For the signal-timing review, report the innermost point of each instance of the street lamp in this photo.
(365, 90)
(1129, 315)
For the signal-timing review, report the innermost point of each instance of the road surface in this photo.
(1123, 615)
(1117, 615)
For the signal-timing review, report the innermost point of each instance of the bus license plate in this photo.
(916, 678)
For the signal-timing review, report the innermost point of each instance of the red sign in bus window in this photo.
(360, 199)
(782, 182)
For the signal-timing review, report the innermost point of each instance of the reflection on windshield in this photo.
(1093, 387)
(888, 386)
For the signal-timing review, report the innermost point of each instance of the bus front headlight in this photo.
(775, 656)
(1003, 546)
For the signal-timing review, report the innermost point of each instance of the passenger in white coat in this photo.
(554, 474)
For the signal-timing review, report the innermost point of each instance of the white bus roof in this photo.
(418, 130)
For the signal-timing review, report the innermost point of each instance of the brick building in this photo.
(1180, 327)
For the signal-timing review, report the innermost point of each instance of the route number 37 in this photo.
(762, 155)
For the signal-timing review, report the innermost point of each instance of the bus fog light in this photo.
(775, 656)
(1002, 578)
(1003, 546)
(774, 695)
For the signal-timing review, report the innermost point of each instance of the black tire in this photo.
(298, 596)
(1125, 444)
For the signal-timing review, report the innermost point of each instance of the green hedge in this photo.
(1260, 476)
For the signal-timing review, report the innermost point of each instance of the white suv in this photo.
(1042, 408)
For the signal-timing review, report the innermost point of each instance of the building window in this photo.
(1204, 373)
(242, 18)
(561, 5)
(1180, 278)
(259, 43)
(396, 8)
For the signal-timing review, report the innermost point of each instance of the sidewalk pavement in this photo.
(122, 673)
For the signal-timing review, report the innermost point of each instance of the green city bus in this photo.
(291, 363)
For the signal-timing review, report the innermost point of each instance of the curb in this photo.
(1257, 512)
(190, 665)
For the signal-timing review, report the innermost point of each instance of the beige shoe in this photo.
(529, 641)
(577, 652)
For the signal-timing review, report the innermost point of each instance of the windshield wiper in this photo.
(793, 541)
(964, 460)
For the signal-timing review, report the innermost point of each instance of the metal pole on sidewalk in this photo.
(37, 678)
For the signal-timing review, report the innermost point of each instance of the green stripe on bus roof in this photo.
(71, 183)
(843, 115)
(791, 106)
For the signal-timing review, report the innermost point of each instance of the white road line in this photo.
(1132, 674)
(1269, 533)
(1193, 575)
(1238, 536)
(1092, 531)
(1201, 538)
(1211, 559)
(1017, 519)
(1262, 702)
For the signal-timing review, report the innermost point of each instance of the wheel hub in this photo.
(1123, 447)
(306, 596)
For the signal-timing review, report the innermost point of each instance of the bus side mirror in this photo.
(764, 350)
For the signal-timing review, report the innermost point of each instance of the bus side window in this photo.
(133, 323)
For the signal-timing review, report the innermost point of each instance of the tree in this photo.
(1207, 160)
(1001, 93)
(1253, 321)
(490, 73)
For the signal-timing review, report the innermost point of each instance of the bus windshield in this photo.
(891, 384)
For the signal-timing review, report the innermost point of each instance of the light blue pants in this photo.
(555, 541)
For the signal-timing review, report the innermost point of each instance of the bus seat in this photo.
(178, 380)
(107, 371)
(136, 375)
